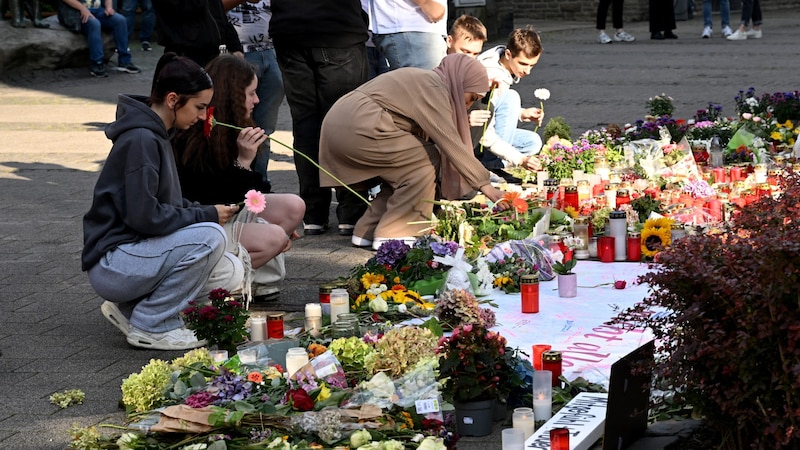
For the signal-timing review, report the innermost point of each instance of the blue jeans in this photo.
(724, 13)
(507, 108)
(93, 29)
(411, 49)
(377, 62)
(154, 279)
(313, 79)
(751, 9)
(270, 95)
(128, 9)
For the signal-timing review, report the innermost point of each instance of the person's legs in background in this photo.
(270, 94)
(411, 49)
(313, 80)
(94, 37)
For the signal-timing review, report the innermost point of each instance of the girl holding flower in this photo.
(216, 165)
(147, 250)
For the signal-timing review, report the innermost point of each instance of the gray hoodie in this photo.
(137, 195)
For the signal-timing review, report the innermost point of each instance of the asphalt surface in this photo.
(52, 334)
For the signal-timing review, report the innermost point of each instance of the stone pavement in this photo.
(52, 335)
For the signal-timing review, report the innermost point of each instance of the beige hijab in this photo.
(462, 74)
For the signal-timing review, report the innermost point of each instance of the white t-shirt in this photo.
(251, 21)
(397, 16)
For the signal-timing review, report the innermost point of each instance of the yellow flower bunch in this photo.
(785, 133)
(656, 236)
(369, 278)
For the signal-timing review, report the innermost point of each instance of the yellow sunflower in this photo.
(369, 278)
(656, 236)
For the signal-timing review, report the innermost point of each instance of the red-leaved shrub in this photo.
(725, 311)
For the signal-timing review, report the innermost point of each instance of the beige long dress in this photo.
(386, 129)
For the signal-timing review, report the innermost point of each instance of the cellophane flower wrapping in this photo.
(529, 249)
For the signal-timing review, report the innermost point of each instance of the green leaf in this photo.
(241, 405)
(197, 380)
(433, 325)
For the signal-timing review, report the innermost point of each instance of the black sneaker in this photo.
(130, 68)
(146, 47)
(98, 70)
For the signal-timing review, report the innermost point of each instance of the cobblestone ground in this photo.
(52, 334)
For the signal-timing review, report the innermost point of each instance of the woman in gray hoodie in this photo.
(147, 250)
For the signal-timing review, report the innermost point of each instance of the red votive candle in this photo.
(551, 360)
(529, 289)
(538, 350)
(736, 174)
(559, 439)
(605, 248)
(634, 246)
(719, 175)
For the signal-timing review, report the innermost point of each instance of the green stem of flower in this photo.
(304, 156)
(486, 124)
(541, 106)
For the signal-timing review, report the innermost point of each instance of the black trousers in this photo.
(313, 79)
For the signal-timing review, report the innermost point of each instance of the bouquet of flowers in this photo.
(221, 322)
(561, 157)
(471, 363)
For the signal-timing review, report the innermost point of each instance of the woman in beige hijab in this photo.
(407, 129)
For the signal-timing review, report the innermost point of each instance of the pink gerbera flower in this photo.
(255, 201)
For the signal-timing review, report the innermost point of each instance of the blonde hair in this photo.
(470, 27)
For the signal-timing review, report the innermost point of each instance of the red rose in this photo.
(620, 284)
(300, 399)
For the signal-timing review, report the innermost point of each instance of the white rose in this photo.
(378, 304)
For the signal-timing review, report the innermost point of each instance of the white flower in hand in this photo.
(542, 94)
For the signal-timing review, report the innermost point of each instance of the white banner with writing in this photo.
(578, 327)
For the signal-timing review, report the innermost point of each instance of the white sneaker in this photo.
(706, 33)
(360, 242)
(738, 35)
(603, 38)
(727, 31)
(753, 34)
(111, 312)
(622, 36)
(178, 339)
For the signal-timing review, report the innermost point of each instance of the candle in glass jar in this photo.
(258, 328)
(313, 318)
(736, 174)
(634, 246)
(325, 298)
(551, 362)
(296, 358)
(523, 419)
(542, 394)
(275, 325)
(605, 248)
(538, 349)
(760, 173)
(340, 304)
(611, 195)
(529, 291)
(559, 439)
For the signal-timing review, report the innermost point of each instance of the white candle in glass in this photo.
(258, 328)
(542, 394)
(247, 356)
(523, 419)
(313, 318)
(296, 358)
(219, 356)
(540, 177)
(340, 304)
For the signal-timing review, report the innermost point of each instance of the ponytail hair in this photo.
(180, 75)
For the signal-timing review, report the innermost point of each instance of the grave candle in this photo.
(542, 394)
(523, 419)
